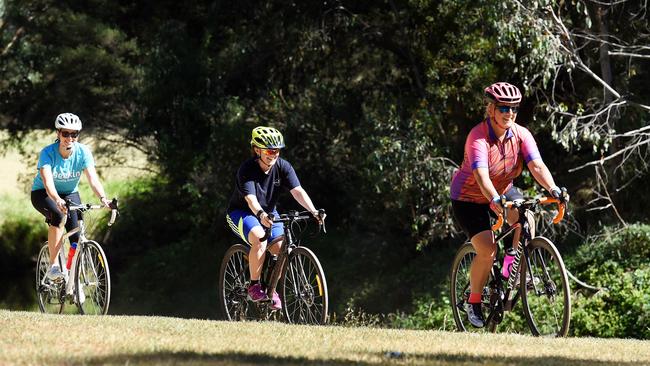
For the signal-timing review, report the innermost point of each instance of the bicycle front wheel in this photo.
(545, 291)
(51, 296)
(92, 280)
(234, 278)
(459, 290)
(304, 289)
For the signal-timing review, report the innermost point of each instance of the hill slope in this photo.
(33, 338)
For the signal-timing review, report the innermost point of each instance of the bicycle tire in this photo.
(459, 290)
(234, 278)
(51, 299)
(546, 297)
(92, 280)
(304, 289)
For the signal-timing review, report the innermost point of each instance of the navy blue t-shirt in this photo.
(266, 187)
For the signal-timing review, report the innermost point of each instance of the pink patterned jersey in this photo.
(504, 160)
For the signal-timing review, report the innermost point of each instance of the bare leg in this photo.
(483, 243)
(54, 234)
(257, 252)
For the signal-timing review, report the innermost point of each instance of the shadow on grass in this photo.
(245, 359)
(228, 358)
(456, 359)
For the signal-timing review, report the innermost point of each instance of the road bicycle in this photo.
(295, 272)
(538, 276)
(88, 283)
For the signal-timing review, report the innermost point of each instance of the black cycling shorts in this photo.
(474, 218)
(46, 206)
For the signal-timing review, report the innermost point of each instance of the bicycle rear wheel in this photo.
(92, 280)
(545, 290)
(234, 278)
(459, 290)
(51, 296)
(304, 289)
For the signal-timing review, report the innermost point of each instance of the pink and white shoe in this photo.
(255, 293)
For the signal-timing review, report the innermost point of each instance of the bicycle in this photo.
(90, 289)
(295, 272)
(543, 282)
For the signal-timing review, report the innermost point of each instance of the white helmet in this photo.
(68, 121)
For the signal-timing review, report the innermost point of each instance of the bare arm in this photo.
(255, 207)
(541, 174)
(48, 182)
(482, 176)
(300, 195)
(96, 185)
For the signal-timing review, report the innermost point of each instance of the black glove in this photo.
(560, 193)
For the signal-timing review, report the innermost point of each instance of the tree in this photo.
(594, 84)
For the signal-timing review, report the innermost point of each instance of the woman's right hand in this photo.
(496, 206)
(266, 220)
(60, 204)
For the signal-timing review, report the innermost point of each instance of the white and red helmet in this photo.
(503, 92)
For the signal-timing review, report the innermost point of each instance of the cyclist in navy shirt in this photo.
(60, 166)
(260, 180)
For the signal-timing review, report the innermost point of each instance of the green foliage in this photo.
(23, 233)
(617, 260)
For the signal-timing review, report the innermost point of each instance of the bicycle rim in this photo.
(304, 289)
(545, 291)
(460, 289)
(92, 280)
(234, 278)
(50, 295)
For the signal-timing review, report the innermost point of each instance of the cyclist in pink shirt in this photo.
(495, 152)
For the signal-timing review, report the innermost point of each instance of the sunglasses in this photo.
(507, 108)
(74, 135)
(271, 151)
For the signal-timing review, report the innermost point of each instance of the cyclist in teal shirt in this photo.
(60, 166)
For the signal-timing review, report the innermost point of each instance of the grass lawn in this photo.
(34, 338)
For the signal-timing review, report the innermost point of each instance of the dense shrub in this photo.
(617, 261)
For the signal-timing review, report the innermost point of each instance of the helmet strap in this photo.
(259, 157)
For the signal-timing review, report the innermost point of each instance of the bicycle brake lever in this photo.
(321, 221)
(267, 230)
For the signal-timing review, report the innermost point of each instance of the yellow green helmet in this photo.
(267, 138)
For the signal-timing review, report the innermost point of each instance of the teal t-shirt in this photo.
(66, 172)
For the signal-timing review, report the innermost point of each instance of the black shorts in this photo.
(474, 218)
(46, 206)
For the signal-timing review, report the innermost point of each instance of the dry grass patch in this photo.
(32, 338)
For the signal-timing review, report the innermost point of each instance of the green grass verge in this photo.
(34, 338)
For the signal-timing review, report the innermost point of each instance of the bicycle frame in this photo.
(81, 229)
(503, 302)
(288, 244)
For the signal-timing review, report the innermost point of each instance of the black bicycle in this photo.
(295, 272)
(538, 276)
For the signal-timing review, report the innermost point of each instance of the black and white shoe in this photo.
(475, 315)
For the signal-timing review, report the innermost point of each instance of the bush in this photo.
(616, 260)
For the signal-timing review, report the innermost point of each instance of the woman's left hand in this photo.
(319, 217)
(106, 202)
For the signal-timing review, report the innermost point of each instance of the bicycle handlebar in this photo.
(294, 216)
(87, 207)
(531, 203)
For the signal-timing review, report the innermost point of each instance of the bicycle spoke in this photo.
(304, 288)
(546, 293)
(460, 289)
(233, 283)
(50, 295)
(92, 280)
